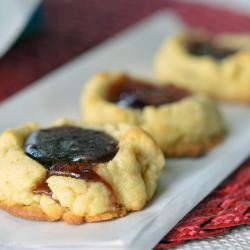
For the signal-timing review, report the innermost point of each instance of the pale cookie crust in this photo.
(133, 174)
(184, 128)
(195, 149)
(36, 213)
(227, 79)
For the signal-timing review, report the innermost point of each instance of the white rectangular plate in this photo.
(184, 182)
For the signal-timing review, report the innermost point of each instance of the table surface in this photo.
(236, 239)
(76, 26)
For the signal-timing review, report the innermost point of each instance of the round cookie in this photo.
(77, 174)
(216, 65)
(182, 123)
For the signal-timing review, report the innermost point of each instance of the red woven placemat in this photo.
(72, 27)
(227, 206)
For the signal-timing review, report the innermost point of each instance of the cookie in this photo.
(182, 123)
(76, 174)
(216, 65)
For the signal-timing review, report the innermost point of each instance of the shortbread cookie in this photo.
(216, 65)
(183, 123)
(77, 174)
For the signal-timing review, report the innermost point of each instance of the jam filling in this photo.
(128, 92)
(208, 48)
(72, 152)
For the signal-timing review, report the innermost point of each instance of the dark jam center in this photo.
(128, 92)
(207, 48)
(70, 151)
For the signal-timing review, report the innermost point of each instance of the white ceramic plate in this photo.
(184, 182)
(14, 16)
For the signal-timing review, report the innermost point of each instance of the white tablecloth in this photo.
(236, 239)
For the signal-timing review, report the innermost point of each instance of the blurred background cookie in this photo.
(215, 65)
(181, 122)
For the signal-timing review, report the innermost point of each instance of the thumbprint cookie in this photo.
(217, 65)
(77, 174)
(182, 123)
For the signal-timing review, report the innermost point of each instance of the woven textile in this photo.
(236, 239)
(227, 206)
